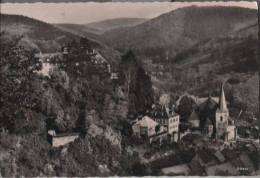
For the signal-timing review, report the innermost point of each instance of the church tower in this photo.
(222, 115)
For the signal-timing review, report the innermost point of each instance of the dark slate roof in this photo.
(209, 104)
(161, 112)
(206, 156)
(193, 116)
(238, 163)
(208, 122)
(207, 109)
(229, 154)
(254, 156)
(196, 170)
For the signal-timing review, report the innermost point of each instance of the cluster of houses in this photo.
(219, 162)
(211, 117)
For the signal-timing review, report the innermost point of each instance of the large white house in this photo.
(167, 118)
(159, 123)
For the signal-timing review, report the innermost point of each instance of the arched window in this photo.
(221, 118)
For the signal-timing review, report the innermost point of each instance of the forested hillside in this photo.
(172, 32)
(36, 34)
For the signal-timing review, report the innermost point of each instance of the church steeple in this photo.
(222, 101)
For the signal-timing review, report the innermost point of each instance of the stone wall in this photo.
(63, 140)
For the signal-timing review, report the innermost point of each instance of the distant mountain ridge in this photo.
(97, 28)
(47, 38)
(169, 33)
(110, 24)
(180, 29)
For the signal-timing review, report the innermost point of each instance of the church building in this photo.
(214, 117)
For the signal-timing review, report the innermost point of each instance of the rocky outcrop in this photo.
(116, 106)
(108, 133)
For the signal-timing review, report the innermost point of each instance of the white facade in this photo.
(146, 126)
(173, 124)
(221, 123)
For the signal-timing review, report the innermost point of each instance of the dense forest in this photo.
(68, 100)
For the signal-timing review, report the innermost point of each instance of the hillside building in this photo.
(145, 126)
(148, 128)
(167, 118)
(159, 123)
(58, 140)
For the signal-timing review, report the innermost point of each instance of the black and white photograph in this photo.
(123, 89)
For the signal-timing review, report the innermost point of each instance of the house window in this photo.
(221, 118)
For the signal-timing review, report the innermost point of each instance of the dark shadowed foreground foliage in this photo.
(69, 100)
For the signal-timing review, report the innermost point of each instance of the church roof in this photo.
(208, 104)
(222, 102)
(203, 99)
(208, 122)
(207, 109)
(193, 116)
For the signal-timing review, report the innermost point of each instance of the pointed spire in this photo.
(222, 101)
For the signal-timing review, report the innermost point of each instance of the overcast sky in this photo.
(82, 13)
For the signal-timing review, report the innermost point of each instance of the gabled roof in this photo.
(208, 109)
(196, 170)
(203, 99)
(219, 156)
(229, 154)
(193, 116)
(208, 122)
(208, 104)
(238, 163)
(206, 156)
(146, 122)
(247, 161)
